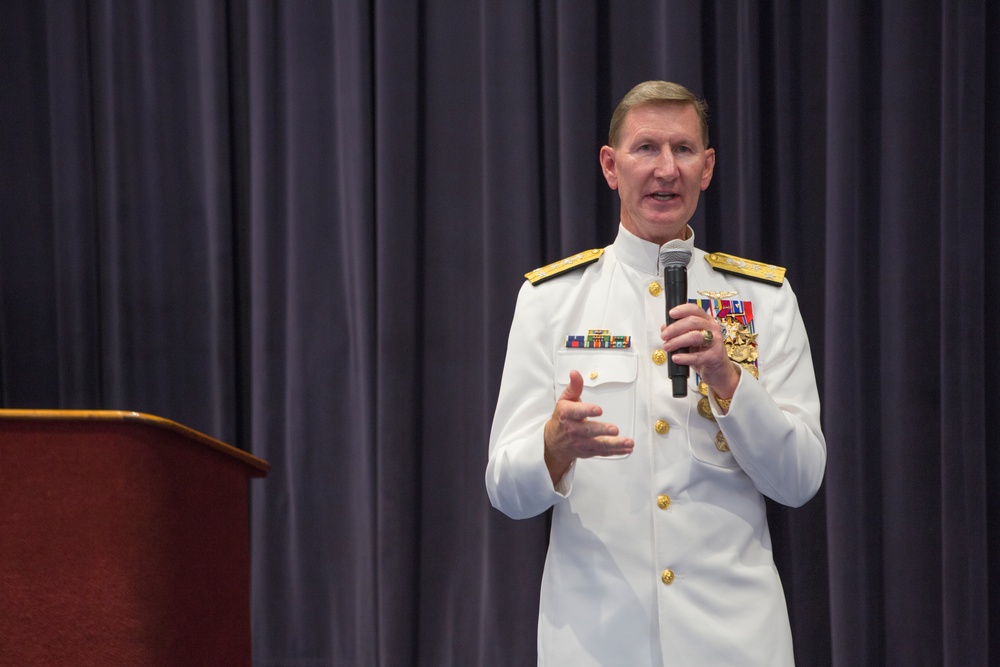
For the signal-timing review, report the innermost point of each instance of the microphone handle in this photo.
(675, 293)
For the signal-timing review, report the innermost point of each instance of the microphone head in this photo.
(674, 253)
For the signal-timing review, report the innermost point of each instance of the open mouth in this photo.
(663, 196)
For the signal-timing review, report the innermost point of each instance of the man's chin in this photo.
(658, 232)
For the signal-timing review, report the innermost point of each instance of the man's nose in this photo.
(666, 165)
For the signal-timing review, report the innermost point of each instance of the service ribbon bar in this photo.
(599, 338)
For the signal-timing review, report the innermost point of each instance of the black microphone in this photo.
(674, 258)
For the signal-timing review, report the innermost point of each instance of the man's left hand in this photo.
(706, 352)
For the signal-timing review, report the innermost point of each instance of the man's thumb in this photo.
(574, 389)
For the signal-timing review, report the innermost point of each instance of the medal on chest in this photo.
(735, 318)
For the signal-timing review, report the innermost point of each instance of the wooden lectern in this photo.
(124, 540)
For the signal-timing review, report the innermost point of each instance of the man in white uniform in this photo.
(659, 552)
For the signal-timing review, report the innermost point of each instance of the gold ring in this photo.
(706, 338)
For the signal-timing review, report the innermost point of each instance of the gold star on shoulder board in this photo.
(767, 273)
(563, 265)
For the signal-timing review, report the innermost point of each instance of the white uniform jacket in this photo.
(680, 502)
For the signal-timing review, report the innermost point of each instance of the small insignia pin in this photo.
(717, 295)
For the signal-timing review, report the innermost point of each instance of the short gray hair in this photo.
(653, 93)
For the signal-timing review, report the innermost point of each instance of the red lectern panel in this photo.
(124, 540)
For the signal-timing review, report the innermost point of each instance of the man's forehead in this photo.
(648, 118)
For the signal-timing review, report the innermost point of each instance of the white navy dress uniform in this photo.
(662, 557)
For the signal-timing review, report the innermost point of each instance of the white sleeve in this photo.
(773, 425)
(517, 479)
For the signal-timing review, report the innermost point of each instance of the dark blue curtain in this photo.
(300, 228)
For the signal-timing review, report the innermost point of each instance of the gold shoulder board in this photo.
(767, 273)
(563, 265)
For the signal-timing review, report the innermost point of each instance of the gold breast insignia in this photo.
(717, 295)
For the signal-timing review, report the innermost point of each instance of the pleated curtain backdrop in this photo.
(300, 227)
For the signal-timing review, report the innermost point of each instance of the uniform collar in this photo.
(644, 255)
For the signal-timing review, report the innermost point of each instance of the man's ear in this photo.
(706, 175)
(609, 167)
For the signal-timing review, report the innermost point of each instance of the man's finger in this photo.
(608, 446)
(578, 411)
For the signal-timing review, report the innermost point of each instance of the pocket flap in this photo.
(598, 367)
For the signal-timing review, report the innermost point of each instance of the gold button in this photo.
(667, 577)
(661, 427)
(659, 357)
(663, 501)
(720, 442)
(593, 375)
(654, 288)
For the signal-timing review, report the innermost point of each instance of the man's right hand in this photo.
(570, 434)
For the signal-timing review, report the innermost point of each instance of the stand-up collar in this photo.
(643, 255)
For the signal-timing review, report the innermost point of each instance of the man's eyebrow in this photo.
(652, 137)
(644, 138)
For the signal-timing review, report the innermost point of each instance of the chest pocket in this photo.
(707, 449)
(609, 380)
